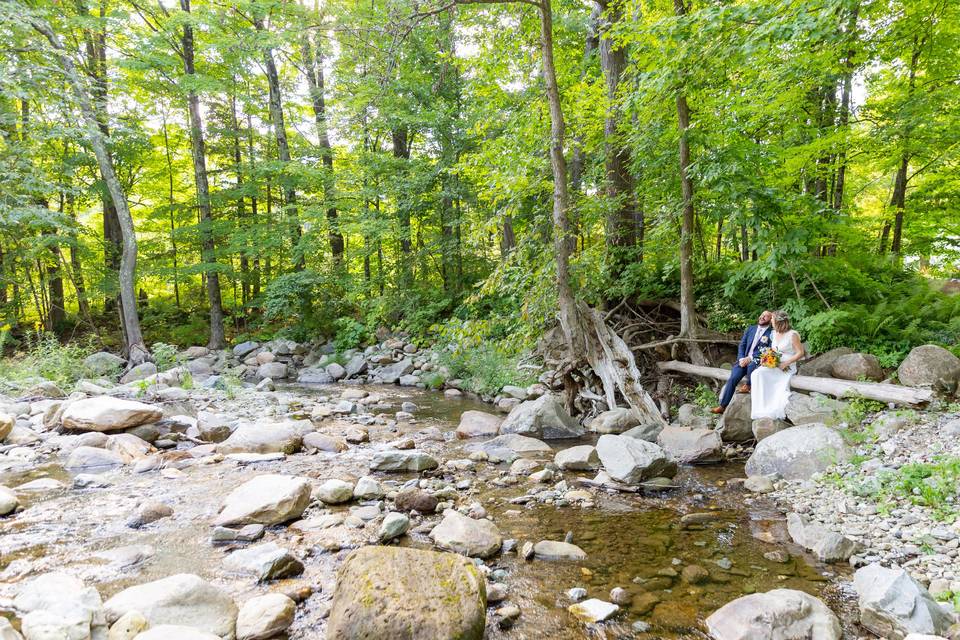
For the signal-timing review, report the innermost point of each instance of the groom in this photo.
(754, 339)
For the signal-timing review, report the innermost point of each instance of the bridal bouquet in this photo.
(770, 357)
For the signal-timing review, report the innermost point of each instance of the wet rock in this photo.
(466, 536)
(183, 599)
(171, 631)
(57, 605)
(335, 491)
(930, 366)
(554, 550)
(393, 526)
(149, 512)
(127, 556)
(892, 604)
(544, 418)
(694, 574)
(477, 424)
(385, 592)
(797, 453)
(766, 427)
(323, 442)
(577, 594)
(697, 518)
(593, 610)
(102, 364)
(781, 614)
(93, 459)
(267, 561)
(813, 409)
(265, 617)
(620, 596)
(8, 501)
(267, 500)
(614, 421)
(690, 445)
(735, 424)
(279, 437)
(396, 460)
(139, 372)
(826, 545)
(579, 458)
(130, 624)
(858, 366)
(631, 461)
(414, 499)
(106, 413)
(758, 484)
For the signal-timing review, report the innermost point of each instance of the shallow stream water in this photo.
(634, 541)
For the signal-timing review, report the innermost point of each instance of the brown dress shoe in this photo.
(744, 388)
(717, 410)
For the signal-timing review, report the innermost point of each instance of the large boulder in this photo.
(858, 366)
(781, 614)
(476, 424)
(392, 373)
(267, 499)
(631, 461)
(826, 545)
(615, 420)
(314, 375)
(544, 418)
(821, 366)
(930, 366)
(797, 453)
(102, 364)
(278, 437)
(736, 425)
(402, 460)
(766, 427)
(892, 604)
(467, 536)
(106, 413)
(272, 370)
(183, 599)
(648, 432)
(59, 606)
(580, 458)
(691, 445)
(814, 408)
(387, 593)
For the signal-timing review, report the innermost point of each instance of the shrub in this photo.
(46, 357)
(484, 369)
(349, 333)
(165, 356)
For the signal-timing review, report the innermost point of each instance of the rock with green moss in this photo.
(385, 593)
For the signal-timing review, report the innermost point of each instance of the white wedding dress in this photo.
(770, 386)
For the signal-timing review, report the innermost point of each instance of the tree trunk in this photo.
(75, 263)
(135, 348)
(171, 208)
(401, 151)
(899, 198)
(313, 70)
(198, 151)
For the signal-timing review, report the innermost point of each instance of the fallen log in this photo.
(894, 393)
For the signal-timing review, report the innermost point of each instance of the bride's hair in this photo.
(781, 321)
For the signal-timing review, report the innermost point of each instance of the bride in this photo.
(770, 386)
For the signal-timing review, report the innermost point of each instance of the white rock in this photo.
(368, 489)
(8, 501)
(580, 458)
(265, 616)
(892, 604)
(335, 491)
(393, 526)
(593, 610)
(781, 614)
(267, 499)
(58, 606)
(106, 413)
(466, 536)
(631, 461)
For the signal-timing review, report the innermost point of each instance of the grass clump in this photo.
(928, 484)
(43, 356)
(484, 369)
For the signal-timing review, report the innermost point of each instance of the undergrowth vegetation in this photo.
(42, 356)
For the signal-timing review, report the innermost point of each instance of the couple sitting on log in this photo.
(767, 355)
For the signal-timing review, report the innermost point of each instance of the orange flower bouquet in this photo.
(770, 357)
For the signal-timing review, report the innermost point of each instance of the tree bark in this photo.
(401, 151)
(899, 197)
(135, 348)
(198, 151)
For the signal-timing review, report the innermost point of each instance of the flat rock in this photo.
(267, 561)
(477, 424)
(402, 460)
(265, 617)
(267, 499)
(781, 614)
(580, 458)
(171, 631)
(467, 536)
(631, 461)
(106, 413)
(593, 610)
(797, 453)
(691, 445)
(93, 459)
(278, 437)
(556, 550)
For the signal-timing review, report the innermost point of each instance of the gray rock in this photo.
(368, 488)
(892, 604)
(544, 418)
(102, 364)
(323, 442)
(813, 409)
(511, 443)
(139, 372)
(335, 491)
(476, 424)
(930, 366)
(336, 370)
(766, 427)
(690, 445)
(615, 420)
(57, 605)
(215, 427)
(313, 375)
(244, 349)
(822, 366)
(631, 461)
(7, 632)
(392, 373)
(826, 545)
(182, 599)
(278, 437)
(264, 617)
(393, 526)
(736, 425)
(858, 366)
(781, 614)
(267, 561)
(355, 366)
(648, 432)
(385, 592)
(758, 484)
(272, 370)
(170, 631)
(92, 458)
(398, 460)
(556, 550)
(797, 453)
(466, 536)
(267, 500)
(106, 413)
(580, 458)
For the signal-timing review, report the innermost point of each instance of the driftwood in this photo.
(894, 393)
